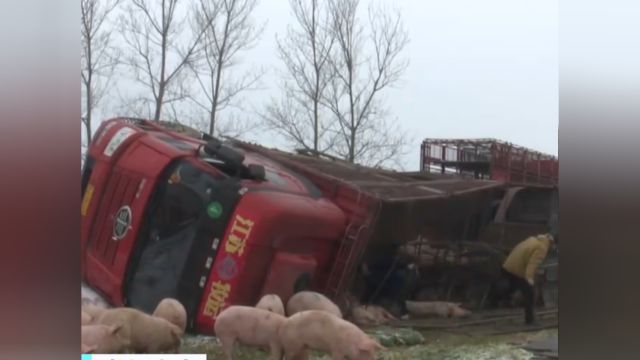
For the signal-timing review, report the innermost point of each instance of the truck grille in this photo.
(120, 191)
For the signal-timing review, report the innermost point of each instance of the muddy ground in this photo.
(437, 344)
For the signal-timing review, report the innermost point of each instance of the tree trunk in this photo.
(315, 125)
(163, 64)
(317, 73)
(352, 146)
(216, 93)
(354, 128)
(212, 119)
(159, 100)
(87, 121)
(216, 97)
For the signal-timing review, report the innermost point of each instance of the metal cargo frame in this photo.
(488, 159)
(385, 209)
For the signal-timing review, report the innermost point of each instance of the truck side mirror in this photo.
(256, 172)
(213, 146)
(229, 156)
(206, 137)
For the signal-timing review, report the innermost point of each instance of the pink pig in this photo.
(271, 302)
(86, 349)
(93, 311)
(103, 339)
(250, 326)
(319, 330)
(172, 311)
(310, 300)
(147, 334)
(366, 315)
(85, 318)
(440, 308)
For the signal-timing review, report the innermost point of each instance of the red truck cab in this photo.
(170, 215)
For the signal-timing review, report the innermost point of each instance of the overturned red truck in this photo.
(170, 212)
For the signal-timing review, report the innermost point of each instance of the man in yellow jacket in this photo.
(520, 267)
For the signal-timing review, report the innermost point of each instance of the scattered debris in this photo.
(392, 337)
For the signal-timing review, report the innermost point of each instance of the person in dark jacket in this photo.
(391, 279)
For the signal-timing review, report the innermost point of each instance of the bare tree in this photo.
(305, 52)
(227, 29)
(362, 70)
(98, 58)
(160, 49)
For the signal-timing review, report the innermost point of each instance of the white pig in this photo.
(172, 311)
(310, 300)
(147, 334)
(271, 302)
(364, 315)
(93, 311)
(104, 339)
(439, 308)
(85, 318)
(86, 349)
(319, 330)
(250, 326)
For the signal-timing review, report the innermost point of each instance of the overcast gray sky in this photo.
(478, 68)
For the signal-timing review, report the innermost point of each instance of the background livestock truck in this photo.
(175, 213)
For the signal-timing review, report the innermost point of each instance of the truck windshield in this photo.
(190, 208)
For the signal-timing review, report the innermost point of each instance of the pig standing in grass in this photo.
(147, 334)
(250, 326)
(310, 300)
(172, 311)
(104, 339)
(271, 302)
(319, 330)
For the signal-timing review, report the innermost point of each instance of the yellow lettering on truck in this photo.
(217, 296)
(240, 231)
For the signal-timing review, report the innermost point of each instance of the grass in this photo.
(436, 345)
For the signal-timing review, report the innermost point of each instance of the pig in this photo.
(93, 311)
(362, 317)
(86, 349)
(104, 339)
(85, 318)
(172, 311)
(320, 330)
(365, 315)
(381, 313)
(457, 312)
(440, 308)
(271, 302)
(251, 326)
(310, 300)
(146, 333)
